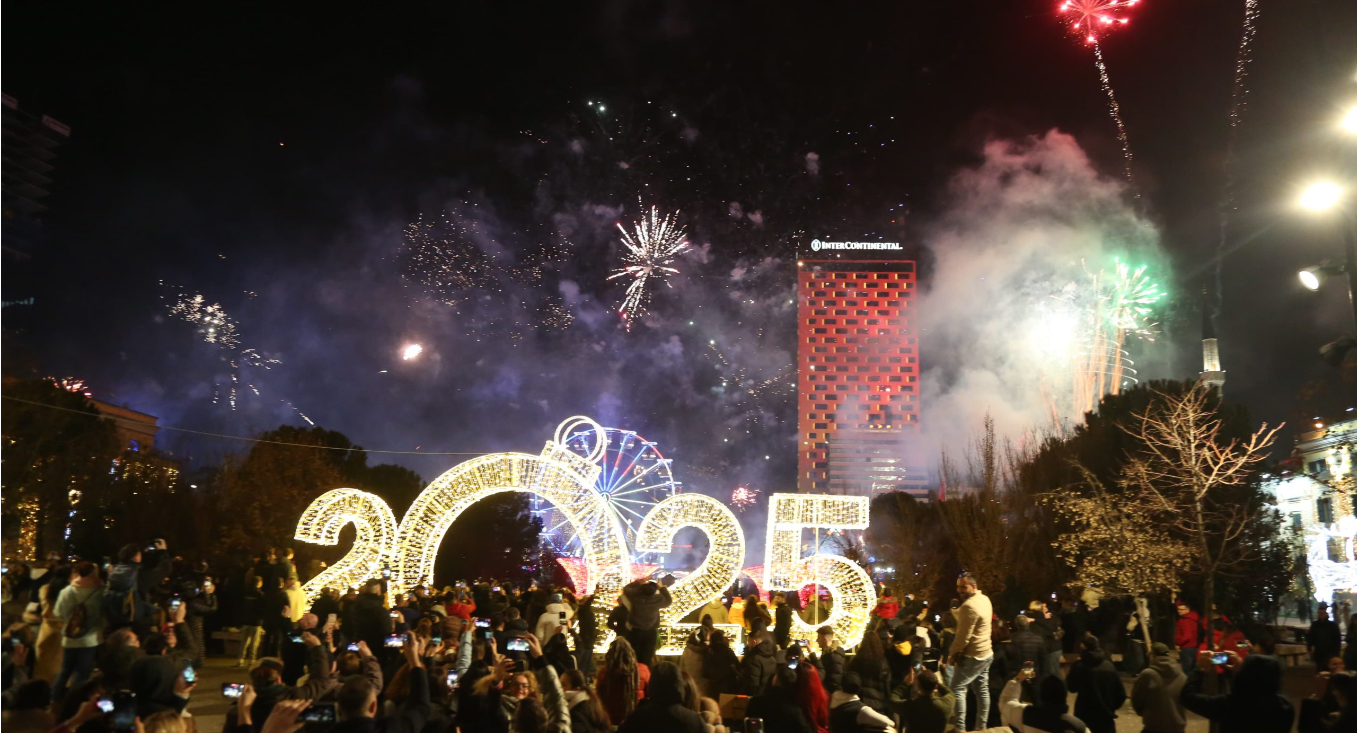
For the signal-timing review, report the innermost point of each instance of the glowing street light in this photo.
(1321, 196)
(1349, 123)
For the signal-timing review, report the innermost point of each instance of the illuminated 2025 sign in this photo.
(567, 480)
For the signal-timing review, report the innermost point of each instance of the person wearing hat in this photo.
(1156, 693)
(551, 618)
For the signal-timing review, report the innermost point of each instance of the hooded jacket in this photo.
(718, 612)
(1156, 696)
(1099, 689)
(757, 668)
(663, 711)
(644, 610)
(1255, 703)
(1187, 632)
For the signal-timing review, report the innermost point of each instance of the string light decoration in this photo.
(562, 477)
(578, 572)
(375, 534)
(790, 514)
(1328, 575)
(674, 637)
(725, 549)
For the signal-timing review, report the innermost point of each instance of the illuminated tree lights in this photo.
(1327, 574)
(566, 479)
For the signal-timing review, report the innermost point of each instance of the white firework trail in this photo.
(651, 249)
(1114, 110)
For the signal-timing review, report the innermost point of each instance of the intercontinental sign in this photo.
(819, 245)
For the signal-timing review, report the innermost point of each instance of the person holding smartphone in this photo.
(359, 699)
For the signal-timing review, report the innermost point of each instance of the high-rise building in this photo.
(29, 145)
(857, 371)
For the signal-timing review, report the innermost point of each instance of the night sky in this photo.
(271, 160)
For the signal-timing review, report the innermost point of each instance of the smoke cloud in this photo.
(1015, 231)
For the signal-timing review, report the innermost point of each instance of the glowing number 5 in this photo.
(717, 572)
(784, 568)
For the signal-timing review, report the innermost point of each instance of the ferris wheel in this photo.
(635, 476)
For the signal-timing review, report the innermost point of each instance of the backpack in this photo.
(122, 606)
(77, 625)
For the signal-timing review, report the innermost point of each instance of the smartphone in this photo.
(332, 618)
(353, 647)
(386, 571)
(318, 713)
(489, 634)
(436, 640)
(793, 663)
(1029, 667)
(452, 679)
(753, 725)
(295, 638)
(124, 713)
(232, 689)
(105, 704)
(482, 623)
(189, 675)
(918, 666)
(1220, 658)
(395, 641)
(395, 614)
(805, 643)
(517, 644)
(175, 603)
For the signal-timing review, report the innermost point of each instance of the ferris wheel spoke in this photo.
(640, 476)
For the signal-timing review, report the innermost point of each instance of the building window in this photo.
(1324, 511)
(1318, 466)
(1296, 520)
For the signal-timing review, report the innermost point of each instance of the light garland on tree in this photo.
(790, 514)
(374, 537)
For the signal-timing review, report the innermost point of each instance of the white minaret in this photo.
(1211, 374)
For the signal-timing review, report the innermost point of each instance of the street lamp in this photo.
(1349, 123)
(1312, 277)
(1321, 196)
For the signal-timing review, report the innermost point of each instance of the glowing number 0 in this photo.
(717, 572)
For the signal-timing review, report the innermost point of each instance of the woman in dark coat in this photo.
(663, 710)
(870, 665)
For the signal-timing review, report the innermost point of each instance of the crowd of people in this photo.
(117, 647)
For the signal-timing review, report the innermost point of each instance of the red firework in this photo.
(1092, 19)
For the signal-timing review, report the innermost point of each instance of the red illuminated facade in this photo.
(858, 373)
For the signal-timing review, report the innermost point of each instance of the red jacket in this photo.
(1187, 635)
(461, 610)
(886, 608)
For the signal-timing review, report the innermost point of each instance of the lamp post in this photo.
(1322, 197)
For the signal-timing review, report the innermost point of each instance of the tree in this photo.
(908, 537)
(1190, 483)
(1115, 548)
(56, 449)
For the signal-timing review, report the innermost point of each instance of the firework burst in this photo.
(455, 262)
(1091, 20)
(1082, 333)
(651, 248)
(744, 497)
(216, 327)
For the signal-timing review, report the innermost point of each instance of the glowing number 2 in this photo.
(375, 536)
(717, 572)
